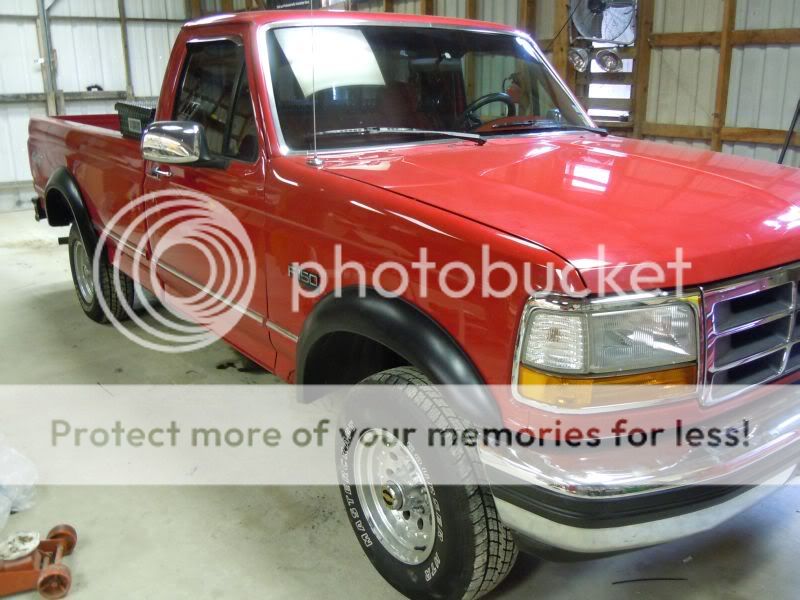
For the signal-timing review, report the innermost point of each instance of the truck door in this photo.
(207, 224)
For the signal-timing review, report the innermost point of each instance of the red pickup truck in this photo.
(392, 142)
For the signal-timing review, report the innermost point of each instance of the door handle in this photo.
(158, 172)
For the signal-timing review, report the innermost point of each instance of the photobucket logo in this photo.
(490, 278)
(161, 225)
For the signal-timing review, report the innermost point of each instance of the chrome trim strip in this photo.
(756, 323)
(237, 307)
(263, 52)
(747, 359)
(245, 311)
(284, 332)
(125, 244)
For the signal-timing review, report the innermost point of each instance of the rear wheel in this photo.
(81, 264)
(426, 539)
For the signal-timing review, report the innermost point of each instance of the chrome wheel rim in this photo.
(395, 497)
(82, 266)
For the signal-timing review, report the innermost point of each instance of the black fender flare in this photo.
(411, 334)
(64, 204)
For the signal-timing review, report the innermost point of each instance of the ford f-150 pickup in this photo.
(395, 140)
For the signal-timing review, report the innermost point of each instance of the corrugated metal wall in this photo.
(88, 53)
(765, 80)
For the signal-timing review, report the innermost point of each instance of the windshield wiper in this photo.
(470, 137)
(537, 126)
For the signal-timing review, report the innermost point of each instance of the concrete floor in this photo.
(198, 543)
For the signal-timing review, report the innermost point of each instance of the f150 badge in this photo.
(307, 279)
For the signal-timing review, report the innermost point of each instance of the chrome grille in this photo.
(753, 332)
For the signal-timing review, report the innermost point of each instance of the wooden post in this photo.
(527, 15)
(196, 7)
(724, 75)
(561, 42)
(428, 7)
(642, 64)
(227, 6)
(388, 6)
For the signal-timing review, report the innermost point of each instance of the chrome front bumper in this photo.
(607, 540)
(586, 501)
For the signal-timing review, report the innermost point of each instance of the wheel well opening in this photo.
(343, 358)
(58, 212)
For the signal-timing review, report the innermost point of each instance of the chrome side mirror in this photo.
(177, 143)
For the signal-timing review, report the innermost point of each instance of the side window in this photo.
(243, 142)
(214, 93)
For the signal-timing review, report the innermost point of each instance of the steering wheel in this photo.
(471, 121)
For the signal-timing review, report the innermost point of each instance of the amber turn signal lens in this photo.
(600, 392)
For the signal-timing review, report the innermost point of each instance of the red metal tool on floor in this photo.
(32, 564)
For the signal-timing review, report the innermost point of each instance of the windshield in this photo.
(432, 80)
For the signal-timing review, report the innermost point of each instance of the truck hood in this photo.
(606, 201)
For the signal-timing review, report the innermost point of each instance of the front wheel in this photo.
(427, 540)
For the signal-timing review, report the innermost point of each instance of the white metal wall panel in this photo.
(767, 14)
(683, 80)
(680, 16)
(14, 140)
(150, 48)
(682, 86)
(763, 152)
(545, 20)
(696, 144)
(765, 86)
(505, 11)
(413, 7)
(85, 8)
(765, 80)
(155, 9)
(90, 107)
(19, 7)
(89, 54)
(451, 8)
(373, 6)
(19, 49)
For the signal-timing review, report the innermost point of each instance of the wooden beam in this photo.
(388, 6)
(227, 6)
(758, 37)
(608, 103)
(739, 37)
(428, 7)
(196, 8)
(724, 74)
(685, 40)
(745, 135)
(606, 78)
(561, 41)
(684, 132)
(751, 135)
(641, 66)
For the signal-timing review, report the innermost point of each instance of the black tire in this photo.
(90, 303)
(472, 551)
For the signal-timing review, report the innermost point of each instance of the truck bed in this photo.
(107, 167)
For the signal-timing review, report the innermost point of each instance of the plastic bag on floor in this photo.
(18, 476)
(5, 511)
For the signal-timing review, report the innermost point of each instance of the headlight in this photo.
(607, 342)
